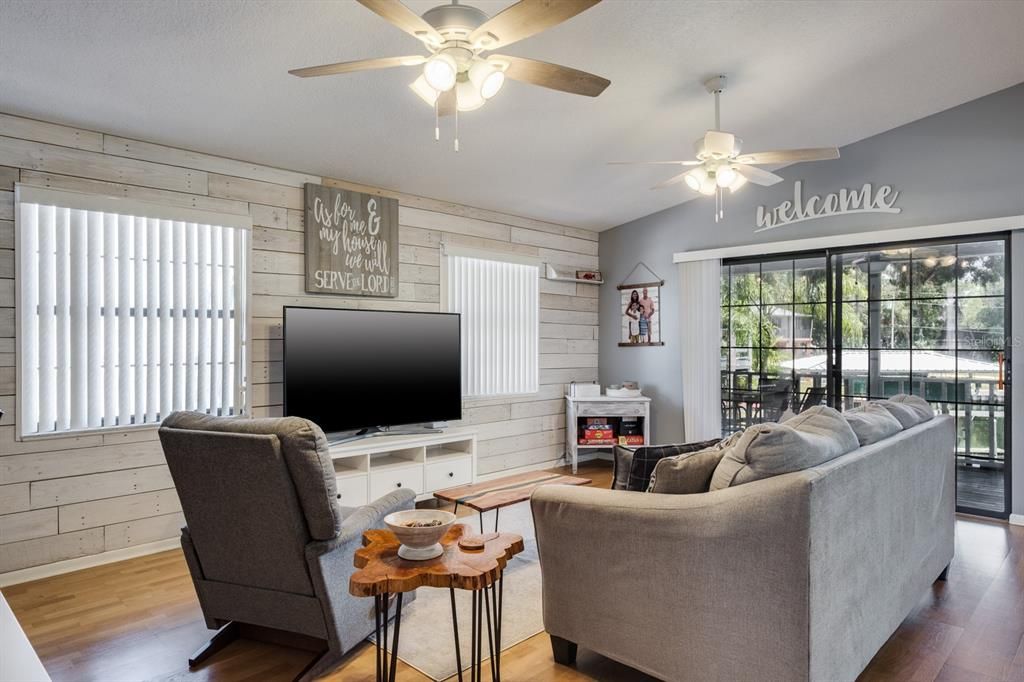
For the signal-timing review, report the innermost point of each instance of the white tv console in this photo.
(370, 468)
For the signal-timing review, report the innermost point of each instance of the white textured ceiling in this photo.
(212, 76)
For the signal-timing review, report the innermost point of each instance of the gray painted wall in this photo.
(966, 163)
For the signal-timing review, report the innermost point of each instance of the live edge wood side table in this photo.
(469, 562)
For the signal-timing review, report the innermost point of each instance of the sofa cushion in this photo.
(909, 410)
(813, 437)
(686, 474)
(872, 422)
(645, 458)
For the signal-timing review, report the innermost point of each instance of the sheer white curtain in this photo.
(700, 315)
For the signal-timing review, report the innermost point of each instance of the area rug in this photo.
(427, 642)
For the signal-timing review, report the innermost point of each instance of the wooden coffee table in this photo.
(469, 562)
(502, 492)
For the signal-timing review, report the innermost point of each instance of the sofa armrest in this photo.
(655, 580)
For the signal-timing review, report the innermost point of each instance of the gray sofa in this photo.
(801, 576)
(269, 549)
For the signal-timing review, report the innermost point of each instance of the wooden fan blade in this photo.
(524, 19)
(404, 18)
(648, 163)
(671, 181)
(551, 75)
(446, 103)
(790, 155)
(758, 176)
(361, 65)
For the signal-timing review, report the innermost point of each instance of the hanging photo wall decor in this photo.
(351, 243)
(640, 299)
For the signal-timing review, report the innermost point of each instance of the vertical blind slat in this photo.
(139, 303)
(110, 379)
(126, 337)
(166, 317)
(153, 321)
(123, 319)
(94, 325)
(79, 255)
(29, 309)
(47, 328)
(62, 373)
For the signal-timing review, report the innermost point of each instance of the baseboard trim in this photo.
(1017, 519)
(25, 575)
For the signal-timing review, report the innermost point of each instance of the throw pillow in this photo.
(918, 404)
(872, 423)
(813, 437)
(645, 459)
(622, 461)
(686, 474)
(909, 410)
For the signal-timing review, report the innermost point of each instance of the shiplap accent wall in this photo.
(71, 497)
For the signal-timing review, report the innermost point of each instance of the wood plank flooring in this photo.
(139, 619)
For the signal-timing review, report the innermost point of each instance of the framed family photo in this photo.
(641, 314)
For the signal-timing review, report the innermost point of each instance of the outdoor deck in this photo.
(980, 488)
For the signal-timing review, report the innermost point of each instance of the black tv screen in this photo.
(353, 369)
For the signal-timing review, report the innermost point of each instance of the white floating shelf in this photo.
(566, 274)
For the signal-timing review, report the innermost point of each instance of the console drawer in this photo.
(352, 490)
(448, 474)
(383, 482)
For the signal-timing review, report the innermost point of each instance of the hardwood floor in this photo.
(139, 620)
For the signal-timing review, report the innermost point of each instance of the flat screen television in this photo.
(357, 370)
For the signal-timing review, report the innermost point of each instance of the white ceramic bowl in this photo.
(419, 544)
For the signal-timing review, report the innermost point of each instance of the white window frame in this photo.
(499, 256)
(31, 194)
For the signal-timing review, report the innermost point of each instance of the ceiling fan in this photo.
(720, 165)
(456, 75)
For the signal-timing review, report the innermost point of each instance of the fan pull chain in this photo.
(437, 121)
(456, 128)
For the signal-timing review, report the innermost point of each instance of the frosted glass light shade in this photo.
(467, 96)
(486, 78)
(440, 72)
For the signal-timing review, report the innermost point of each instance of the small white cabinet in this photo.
(578, 409)
(373, 467)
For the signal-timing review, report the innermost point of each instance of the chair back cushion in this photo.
(241, 508)
(306, 455)
(813, 437)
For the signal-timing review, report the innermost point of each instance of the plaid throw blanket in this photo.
(644, 460)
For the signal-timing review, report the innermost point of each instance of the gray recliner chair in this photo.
(267, 544)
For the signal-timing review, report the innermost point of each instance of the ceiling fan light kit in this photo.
(456, 77)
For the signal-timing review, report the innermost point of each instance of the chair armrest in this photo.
(349, 619)
(363, 519)
(634, 575)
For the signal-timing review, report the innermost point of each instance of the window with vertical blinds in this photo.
(127, 312)
(499, 305)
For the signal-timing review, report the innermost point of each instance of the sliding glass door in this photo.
(928, 318)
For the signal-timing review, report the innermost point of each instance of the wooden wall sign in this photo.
(351, 243)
